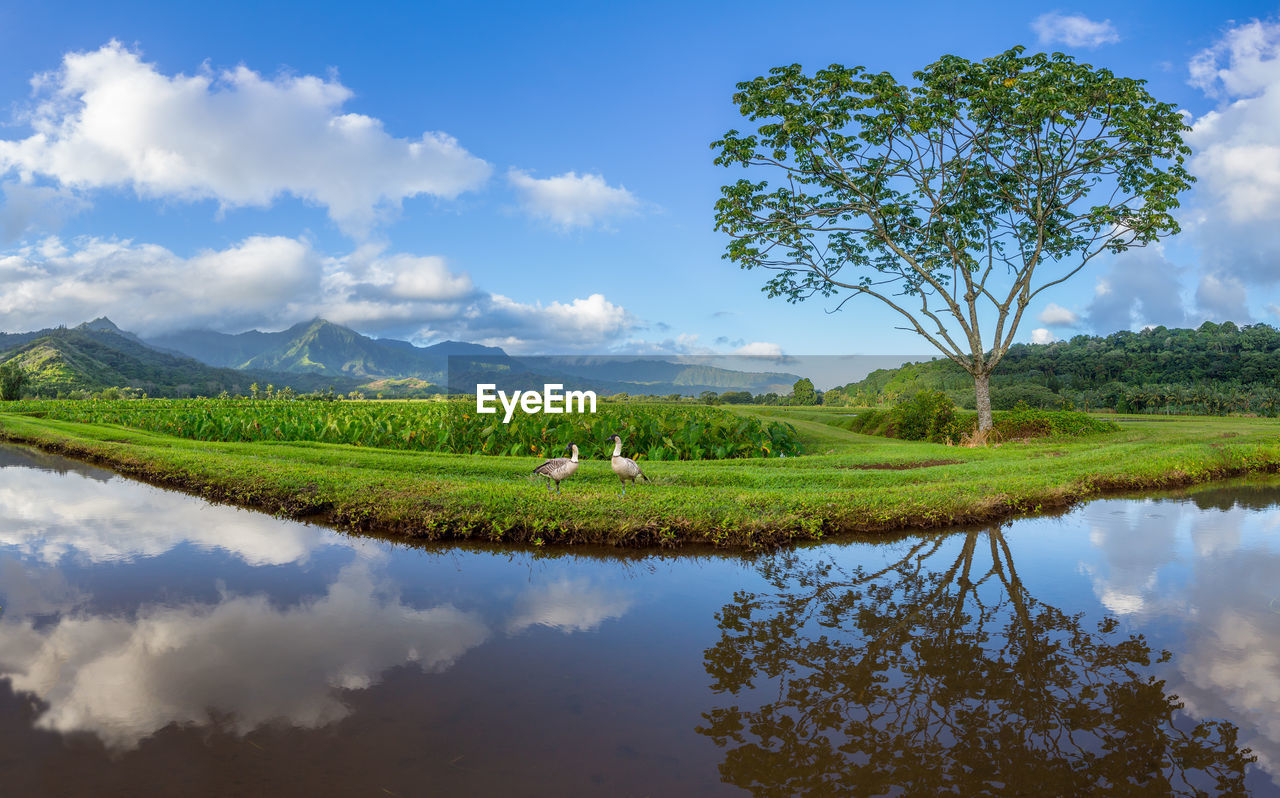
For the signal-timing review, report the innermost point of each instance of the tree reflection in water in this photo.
(940, 674)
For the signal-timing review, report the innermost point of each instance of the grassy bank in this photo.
(848, 482)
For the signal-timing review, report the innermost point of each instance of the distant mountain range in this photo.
(98, 354)
(319, 354)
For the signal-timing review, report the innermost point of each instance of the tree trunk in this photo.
(982, 393)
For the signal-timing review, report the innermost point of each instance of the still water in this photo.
(153, 644)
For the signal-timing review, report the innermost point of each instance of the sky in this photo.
(539, 176)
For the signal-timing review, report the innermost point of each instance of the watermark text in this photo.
(553, 399)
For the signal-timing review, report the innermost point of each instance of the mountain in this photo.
(399, 368)
(98, 355)
(322, 347)
(318, 353)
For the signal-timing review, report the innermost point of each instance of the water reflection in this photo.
(237, 663)
(240, 663)
(1218, 582)
(106, 520)
(937, 671)
(570, 605)
(175, 647)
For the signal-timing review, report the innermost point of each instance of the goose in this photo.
(624, 467)
(558, 468)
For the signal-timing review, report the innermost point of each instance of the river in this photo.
(154, 644)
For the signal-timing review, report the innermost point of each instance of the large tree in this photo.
(955, 200)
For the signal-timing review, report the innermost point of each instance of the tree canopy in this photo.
(955, 200)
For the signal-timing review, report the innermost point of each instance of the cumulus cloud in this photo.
(760, 349)
(272, 282)
(586, 324)
(107, 118)
(1073, 30)
(239, 664)
(1237, 156)
(1054, 315)
(1040, 335)
(263, 279)
(572, 200)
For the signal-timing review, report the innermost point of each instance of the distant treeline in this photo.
(1215, 369)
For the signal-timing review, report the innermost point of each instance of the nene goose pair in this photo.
(559, 468)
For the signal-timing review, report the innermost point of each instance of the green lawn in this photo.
(747, 502)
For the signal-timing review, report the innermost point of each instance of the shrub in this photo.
(1027, 422)
(927, 416)
(13, 378)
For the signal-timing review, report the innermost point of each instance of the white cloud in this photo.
(1042, 336)
(242, 662)
(273, 282)
(1237, 155)
(1073, 30)
(591, 324)
(572, 200)
(260, 280)
(107, 118)
(760, 349)
(1054, 315)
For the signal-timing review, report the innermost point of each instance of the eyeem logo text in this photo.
(553, 399)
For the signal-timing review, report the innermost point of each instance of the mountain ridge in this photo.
(316, 353)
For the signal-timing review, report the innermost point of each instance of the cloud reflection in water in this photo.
(243, 659)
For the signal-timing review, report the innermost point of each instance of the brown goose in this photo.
(624, 467)
(558, 468)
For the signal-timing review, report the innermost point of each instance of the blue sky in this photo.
(537, 176)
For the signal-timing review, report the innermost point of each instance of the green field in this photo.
(655, 431)
(846, 482)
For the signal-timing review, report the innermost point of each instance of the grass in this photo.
(841, 486)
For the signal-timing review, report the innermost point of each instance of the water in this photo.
(152, 644)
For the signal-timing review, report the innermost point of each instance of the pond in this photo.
(154, 644)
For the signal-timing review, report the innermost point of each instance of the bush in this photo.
(927, 416)
(1027, 422)
(13, 378)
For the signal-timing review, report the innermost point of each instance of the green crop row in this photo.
(654, 432)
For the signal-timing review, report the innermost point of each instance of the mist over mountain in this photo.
(317, 354)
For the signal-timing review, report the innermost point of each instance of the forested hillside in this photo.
(1214, 369)
(87, 358)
